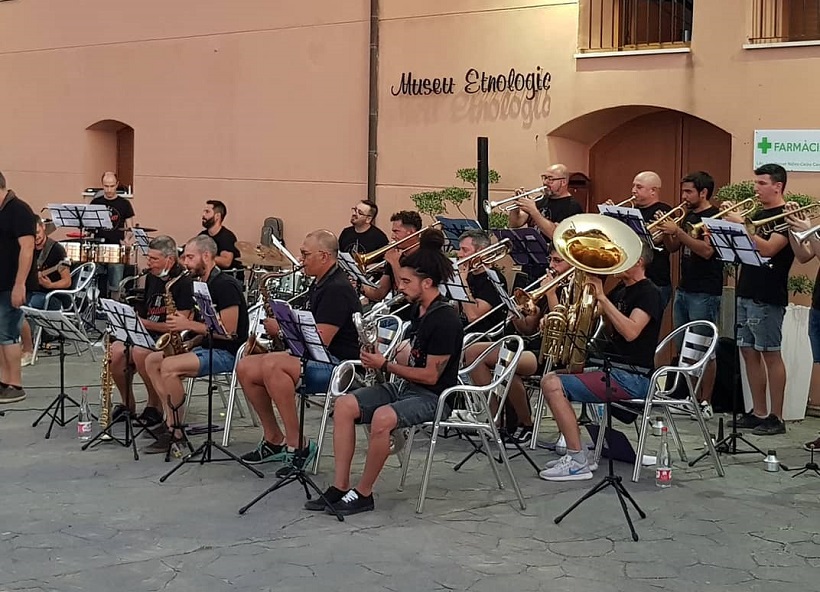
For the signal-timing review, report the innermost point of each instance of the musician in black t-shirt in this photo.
(167, 373)
(761, 305)
(121, 212)
(272, 378)
(163, 267)
(646, 189)
(701, 273)
(475, 277)
(362, 236)
(424, 370)
(632, 314)
(213, 217)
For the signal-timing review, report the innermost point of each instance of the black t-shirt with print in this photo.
(333, 300)
(154, 305)
(768, 283)
(49, 256)
(370, 240)
(639, 352)
(16, 221)
(554, 209)
(658, 270)
(120, 210)
(226, 241)
(699, 275)
(437, 333)
(226, 291)
(482, 288)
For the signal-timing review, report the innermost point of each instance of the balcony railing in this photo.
(781, 21)
(624, 25)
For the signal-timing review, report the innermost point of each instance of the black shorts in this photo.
(412, 403)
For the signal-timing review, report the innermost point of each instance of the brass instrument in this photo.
(253, 346)
(629, 202)
(171, 344)
(528, 301)
(676, 214)
(772, 224)
(742, 208)
(509, 202)
(806, 235)
(365, 260)
(487, 256)
(106, 384)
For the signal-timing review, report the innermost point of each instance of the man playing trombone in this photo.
(474, 275)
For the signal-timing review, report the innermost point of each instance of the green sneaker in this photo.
(298, 459)
(266, 452)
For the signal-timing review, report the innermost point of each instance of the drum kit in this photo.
(81, 249)
(262, 259)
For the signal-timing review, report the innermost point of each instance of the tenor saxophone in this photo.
(253, 346)
(106, 383)
(171, 344)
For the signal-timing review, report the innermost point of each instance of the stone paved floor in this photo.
(98, 521)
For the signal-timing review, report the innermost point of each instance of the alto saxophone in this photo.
(253, 346)
(106, 383)
(171, 344)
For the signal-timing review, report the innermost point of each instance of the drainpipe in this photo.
(373, 106)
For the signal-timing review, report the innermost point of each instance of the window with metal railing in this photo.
(783, 21)
(624, 25)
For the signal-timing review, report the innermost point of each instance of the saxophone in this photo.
(171, 344)
(106, 383)
(253, 346)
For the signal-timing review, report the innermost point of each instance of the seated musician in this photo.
(528, 364)
(272, 378)
(424, 369)
(632, 314)
(163, 267)
(47, 274)
(213, 217)
(167, 373)
(475, 277)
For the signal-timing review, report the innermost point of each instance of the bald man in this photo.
(121, 213)
(646, 188)
(272, 378)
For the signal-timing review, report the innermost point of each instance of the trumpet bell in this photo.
(597, 244)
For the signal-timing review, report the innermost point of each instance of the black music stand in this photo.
(454, 289)
(302, 337)
(205, 306)
(455, 227)
(734, 246)
(351, 268)
(55, 323)
(632, 217)
(125, 326)
(529, 247)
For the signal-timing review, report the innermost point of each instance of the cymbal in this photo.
(256, 254)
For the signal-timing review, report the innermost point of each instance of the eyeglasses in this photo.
(556, 260)
(551, 179)
(306, 254)
(359, 212)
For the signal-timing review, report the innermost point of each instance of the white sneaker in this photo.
(567, 469)
(593, 466)
(706, 410)
(27, 359)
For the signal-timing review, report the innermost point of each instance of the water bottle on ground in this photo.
(84, 418)
(663, 465)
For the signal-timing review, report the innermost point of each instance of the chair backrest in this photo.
(509, 350)
(256, 316)
(83, 276)
(698, 343)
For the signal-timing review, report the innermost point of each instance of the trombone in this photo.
(676, 214)
(527, 301)
(742, 208)
(772, 224)
(489, 206)
(487, 256)
(364, 261)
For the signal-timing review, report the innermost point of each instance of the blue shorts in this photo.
(412, 403)
(694, 306)
(316, 376)
(223, 360)
(115, 273)
(814, 334)
(11, 320)
(760, 325)
(590, 387)
(38, 300)
(666, 295)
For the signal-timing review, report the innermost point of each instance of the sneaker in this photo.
(27, 359)
(353, 502)
(12, 394)
(813, 445)
(265, 452)
(593, 466)
(567, 469)
(297, 459)
(118, 412)
(162, 444)
(770, 426)
(517, 438)
(150, 417)
(332, 494)
(706, 411)
(747, 421)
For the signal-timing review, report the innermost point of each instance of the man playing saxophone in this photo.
(163, 267)
(168, 372)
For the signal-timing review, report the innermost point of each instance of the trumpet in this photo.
(806, 235)
(364, 261)
(742, 208)
(676, 214)
(629, 202)
(508, 204)
(772, 224)
(487, 256)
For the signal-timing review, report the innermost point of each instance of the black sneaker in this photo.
(265, 452)
(297, 459)
(162, 443)
(353, 502)
(332, 494)
(150, 417)
(747, 421)
(117, 412)
(813, 445)
(12, 394)
(770, 426)
(522, 436)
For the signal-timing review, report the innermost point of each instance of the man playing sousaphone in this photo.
(272, 377)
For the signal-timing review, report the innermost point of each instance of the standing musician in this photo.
(213, 217)
(403, 224)
(762, 298)
(424, 371)
(167, 373)
(646, 189)
(475, 277)
(272, 378)
(701, 273)
(121, 212)
(362, 236)
(48, 256)
(163, 266)
(632, 314)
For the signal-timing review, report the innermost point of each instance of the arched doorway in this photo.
(111, 148)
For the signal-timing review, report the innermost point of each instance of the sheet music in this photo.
(732, 242)
(632, 217)
(205, 305)
(348, 264)
(505, 297)
(299, 328)
(311, 335)
(125, 323)
(77, 215)
(55, 323)
(455, 289)
(141, 240)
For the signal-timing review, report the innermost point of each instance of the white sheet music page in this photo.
(505, 297)
(307, 324)
(349, 265)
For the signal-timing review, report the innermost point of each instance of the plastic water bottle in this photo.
(561, 445)
(84, 418)
(663, 464)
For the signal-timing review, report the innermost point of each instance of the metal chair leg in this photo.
(645, 419)
(320, 440)
(428, 467)
(409, 449)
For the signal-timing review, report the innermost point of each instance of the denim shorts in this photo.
(316, 376)
(11, 320)
(760, 325)
(694, 306)
(412, 403)
(590, 387)
(115, 273)
(38, 300)
(814, 334)
(223, 360)
(666, 295)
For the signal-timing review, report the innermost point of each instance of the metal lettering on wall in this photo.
(476, 81)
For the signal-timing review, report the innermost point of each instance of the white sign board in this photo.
(794, 150)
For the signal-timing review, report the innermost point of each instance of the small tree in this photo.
(434, 203)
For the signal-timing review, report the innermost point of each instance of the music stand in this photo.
(276, 243)
(529, 247)
(302, 337)
(124, 325)
(632, 217)
(506, 300)
(205, 306)
(454, 288)
(82, 216)
(455, 227)
(734, 246)
(349, 265)
(56, 324)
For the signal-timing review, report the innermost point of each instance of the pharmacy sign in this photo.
(795, 150)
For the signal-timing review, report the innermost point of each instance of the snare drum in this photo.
(111, 254)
